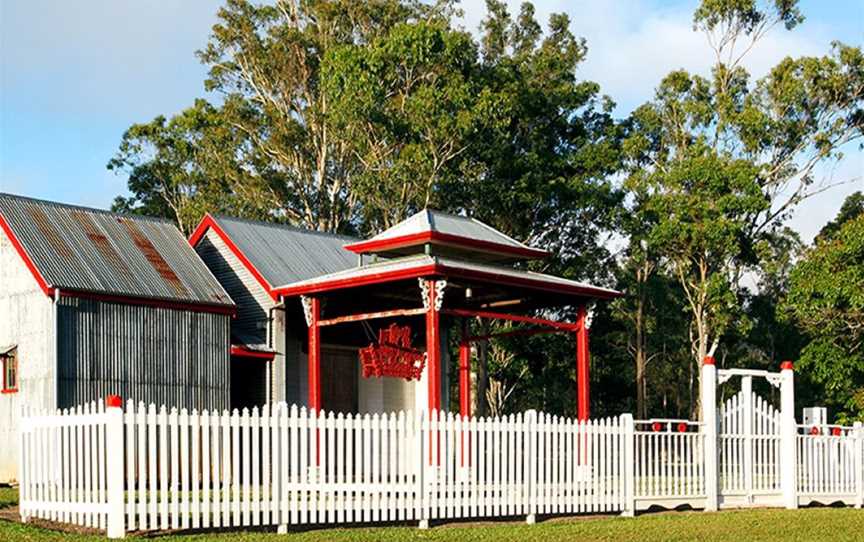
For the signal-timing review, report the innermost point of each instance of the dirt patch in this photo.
(11, 514)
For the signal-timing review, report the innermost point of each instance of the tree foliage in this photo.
(348, 116)
(826, 299)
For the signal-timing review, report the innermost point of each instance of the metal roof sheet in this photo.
(429, 220)
(444, 264)
(90, 250)
(284, 254)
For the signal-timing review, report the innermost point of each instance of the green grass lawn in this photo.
(833, 524)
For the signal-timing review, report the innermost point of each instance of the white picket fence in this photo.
(146, 469)
(288, 466)
(830, 464)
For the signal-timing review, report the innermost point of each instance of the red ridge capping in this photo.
(243, 352)
(209, 222)
(113, 401)
(709, 360)
(443, 238)
(787, 365)
(19, 248)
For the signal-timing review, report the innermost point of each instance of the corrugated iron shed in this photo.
(285, 254)
(89, 250)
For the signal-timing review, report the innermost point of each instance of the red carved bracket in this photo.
(393, 355)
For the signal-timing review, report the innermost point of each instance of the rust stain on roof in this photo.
(153, 256)
(100, 241)
(43, 224)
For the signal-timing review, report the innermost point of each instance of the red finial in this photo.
(113, 401)
(786, 365)
(709, 360)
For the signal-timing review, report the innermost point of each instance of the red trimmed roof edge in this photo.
(19, 248)
(443, 238)
(440, 269)
(208, 222)
(149, 302)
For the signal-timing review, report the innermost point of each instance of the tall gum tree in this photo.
(723, 160)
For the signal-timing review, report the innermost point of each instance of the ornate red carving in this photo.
(393, 355)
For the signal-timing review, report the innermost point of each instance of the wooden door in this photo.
(339, 379)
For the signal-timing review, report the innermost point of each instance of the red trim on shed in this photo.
(19, 248)
(383, 245)
(243, 352)
(209, 222)
(149, 302)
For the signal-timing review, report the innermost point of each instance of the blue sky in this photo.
(75, 75)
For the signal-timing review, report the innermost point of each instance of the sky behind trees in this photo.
(74, 76)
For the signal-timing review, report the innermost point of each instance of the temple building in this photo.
(361, 325)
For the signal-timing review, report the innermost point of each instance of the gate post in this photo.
(708, 403)
(858, 461)
(114, 475)
(788, 437)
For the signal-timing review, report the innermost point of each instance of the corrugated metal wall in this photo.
(165, 356)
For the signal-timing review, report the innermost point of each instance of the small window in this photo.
(10, 370)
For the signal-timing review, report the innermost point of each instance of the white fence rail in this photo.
(145, 468)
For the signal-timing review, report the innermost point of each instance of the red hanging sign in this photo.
(393, 355)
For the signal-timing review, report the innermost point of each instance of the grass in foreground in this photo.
(832, 524)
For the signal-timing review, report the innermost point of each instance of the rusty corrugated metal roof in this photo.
(89, 250)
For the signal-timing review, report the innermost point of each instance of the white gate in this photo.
(749, 449)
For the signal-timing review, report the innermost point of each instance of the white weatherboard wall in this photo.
(26, 319)
(254, 308)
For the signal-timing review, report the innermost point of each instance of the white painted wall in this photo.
(26, 319)
(384, 394)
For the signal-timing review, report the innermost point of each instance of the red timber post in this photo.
(432, 290)
(464, 372)
(583, 362)
(433, 346)
(312, 309)
(464, 390)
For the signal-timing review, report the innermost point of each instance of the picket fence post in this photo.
(114, 468)
(858, 461)
(788, 437)
(422, 439)
(708, 402)
(530, 457)
(628, 433)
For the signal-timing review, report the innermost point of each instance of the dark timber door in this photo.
(339, 380)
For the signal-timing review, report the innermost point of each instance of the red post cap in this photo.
(786, 365)
(709, 360)
(114, 401)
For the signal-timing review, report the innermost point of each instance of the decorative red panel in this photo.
(393, 355)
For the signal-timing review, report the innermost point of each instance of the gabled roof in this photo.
(276, 253)
(78, 249)
(424, 265)
(435, 227)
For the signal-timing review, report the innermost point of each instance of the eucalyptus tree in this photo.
(722, 160)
